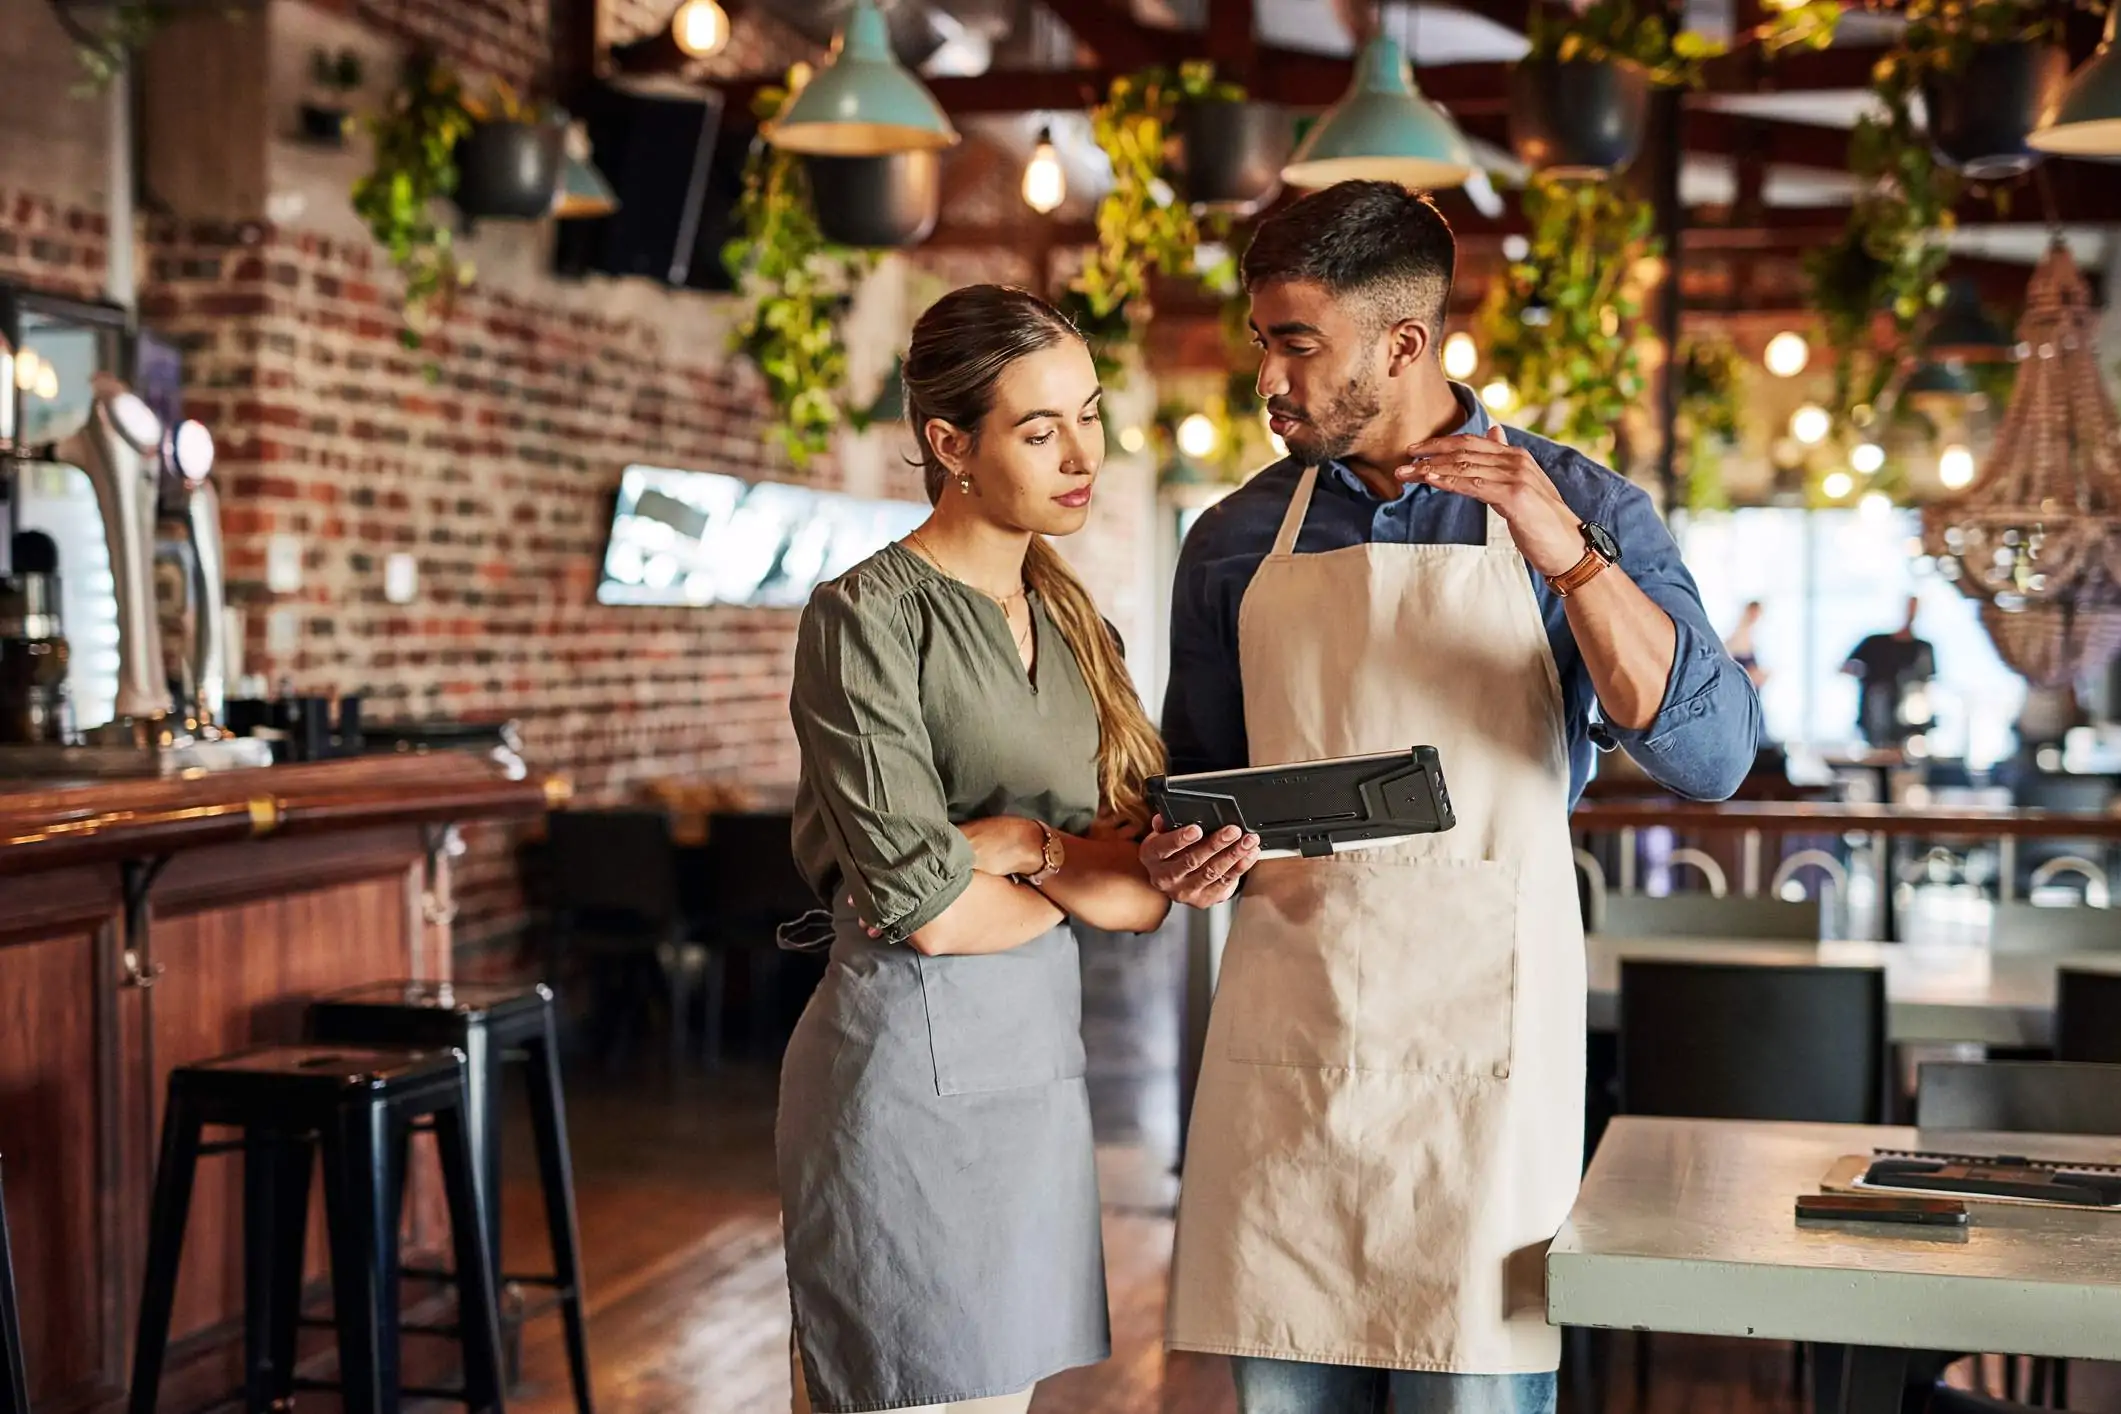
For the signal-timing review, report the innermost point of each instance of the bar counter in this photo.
(152, 923)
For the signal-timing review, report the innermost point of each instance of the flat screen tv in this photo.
(699, 537)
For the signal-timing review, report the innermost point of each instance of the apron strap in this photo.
(1499, 531)
(1299, 505)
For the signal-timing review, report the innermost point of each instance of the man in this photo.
(1893, 668)
(1388, 1127)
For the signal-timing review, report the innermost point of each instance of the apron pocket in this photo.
(1006, 1020)
(1395, 967)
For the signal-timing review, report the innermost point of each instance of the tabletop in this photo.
(1934, 993)
(1688, 1226)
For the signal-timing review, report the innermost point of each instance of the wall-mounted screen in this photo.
(699, 537)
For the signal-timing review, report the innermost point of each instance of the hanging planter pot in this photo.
(509, 169)
(876, 202)
(1979, 117)
(1578, 117)
(1233, 152)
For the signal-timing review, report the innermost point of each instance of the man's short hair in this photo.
(1372, 243)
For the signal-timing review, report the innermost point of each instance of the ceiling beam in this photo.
(1121, 42)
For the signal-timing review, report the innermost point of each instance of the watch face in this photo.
(1600, 539)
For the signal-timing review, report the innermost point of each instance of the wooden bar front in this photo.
(274, 886)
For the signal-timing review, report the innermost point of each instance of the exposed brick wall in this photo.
(62, 249)
(505, 39)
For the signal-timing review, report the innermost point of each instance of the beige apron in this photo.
(1388, 1128)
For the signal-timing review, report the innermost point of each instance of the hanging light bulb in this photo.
(1460, 356)
(48, 382)
(1197, 437)
(1837, 484)
(1875, 505)
(1955, 467)
(1867, 457)
(1810, 424)
(1045, 184)
(27, 367)
(1499, 396)
(1131, 439)
(701, 28)
(1787, 354)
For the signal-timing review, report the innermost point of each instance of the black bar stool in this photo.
(493, 1024)
(358, 1107)
(14, 1376)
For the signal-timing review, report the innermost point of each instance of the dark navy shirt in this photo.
(1701, 743)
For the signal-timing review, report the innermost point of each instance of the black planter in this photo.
(1979, 117)
(891, 200)
(1579, 118)
(1233, 154)
(509, 169)
(325, 127)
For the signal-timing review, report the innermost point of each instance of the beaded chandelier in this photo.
(2037, 536)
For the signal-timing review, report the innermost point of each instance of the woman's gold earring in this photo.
(964, 483)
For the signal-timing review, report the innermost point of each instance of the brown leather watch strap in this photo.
(1579, 574)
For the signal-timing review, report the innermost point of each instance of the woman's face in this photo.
(1039, 449)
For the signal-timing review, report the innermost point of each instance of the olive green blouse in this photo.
(914, 713)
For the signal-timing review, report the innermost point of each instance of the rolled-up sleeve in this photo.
(856, 704)
(1704, 737)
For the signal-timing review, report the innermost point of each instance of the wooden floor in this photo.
(689, 1307)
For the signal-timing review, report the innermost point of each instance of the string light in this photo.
(1787, 354)
(1810, 424)
(1837, 485)
(1131, 439)
(1499, 396)
(1045, 184)
(1197, 437)
(701, 28)
(1867, 457)
(1460, 356)
(1955, 467)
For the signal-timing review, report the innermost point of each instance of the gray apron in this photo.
(938, 1180)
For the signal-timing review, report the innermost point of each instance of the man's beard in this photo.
(1333, 434)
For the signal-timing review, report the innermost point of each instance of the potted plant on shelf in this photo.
(416, 138)
(1579, 99)
(508, 164)
(798, 286)
(325, 117)
(1986, 70)
(1562, 325)
(1231, 149)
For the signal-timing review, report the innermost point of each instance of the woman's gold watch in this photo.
(1053, 855)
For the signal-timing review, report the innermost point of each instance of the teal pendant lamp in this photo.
(865, 103)
(2086, 118)
(583, 191)
(1382, 129)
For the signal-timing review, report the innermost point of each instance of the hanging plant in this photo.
(1711, 417)
(1562, 325)
(416, 137)
(798, 286)
(1611, 31)
(1143, 227)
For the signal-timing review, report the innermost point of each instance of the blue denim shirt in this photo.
(1702, 740)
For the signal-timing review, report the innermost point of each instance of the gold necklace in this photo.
(1023, 638)
(1005, 600)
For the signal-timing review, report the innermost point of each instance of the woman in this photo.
(972, 749)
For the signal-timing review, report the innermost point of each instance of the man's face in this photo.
(1321, 368)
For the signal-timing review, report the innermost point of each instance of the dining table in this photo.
(1689, 1227)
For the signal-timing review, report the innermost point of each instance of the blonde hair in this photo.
(960, 349)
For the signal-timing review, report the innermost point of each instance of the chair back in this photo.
(612, 870)
(1706, 916)
(1721, 1040)
(749, 884)
(2021, 927)
(2019, 1097)
(2088, 1016)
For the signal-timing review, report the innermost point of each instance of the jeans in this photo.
(1294, 1387)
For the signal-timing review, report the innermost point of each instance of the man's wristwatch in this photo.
(1599, 550)
(1052, 854)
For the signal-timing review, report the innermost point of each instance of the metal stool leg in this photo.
(361, 1209)
(14, 1375)
(548, 1115)
(167, 1214)
(276, 1175)
(476, 1322)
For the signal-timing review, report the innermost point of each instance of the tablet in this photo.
(1314, 808)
